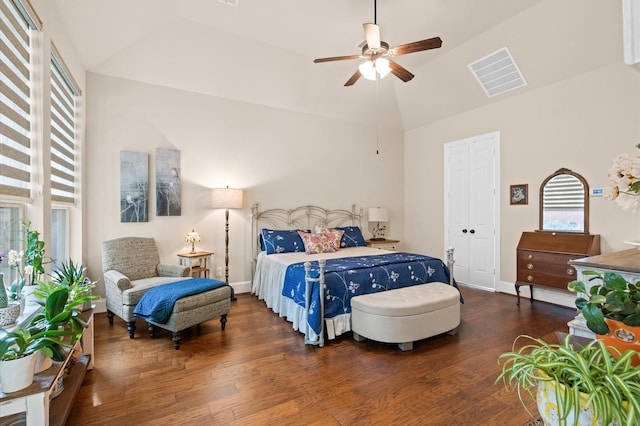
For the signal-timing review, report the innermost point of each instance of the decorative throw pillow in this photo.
(284, 241)
(352, 237)
(325, 242)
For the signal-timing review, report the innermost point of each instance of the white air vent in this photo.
(233, 3)
(497, 73)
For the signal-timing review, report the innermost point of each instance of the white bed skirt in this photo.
(268, 282)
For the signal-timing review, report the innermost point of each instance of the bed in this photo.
(289, 279)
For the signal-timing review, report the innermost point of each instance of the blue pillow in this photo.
(352, 237)
(281, 241)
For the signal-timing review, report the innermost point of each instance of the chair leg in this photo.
(176, 340)
(152, 331)
(110, 316)
(223, 321)
(131, 326)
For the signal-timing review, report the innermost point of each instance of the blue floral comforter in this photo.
(352, 276)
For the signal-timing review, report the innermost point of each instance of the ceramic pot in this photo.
(623, 337)
(17, 374)
(548, 407)
(9, 314)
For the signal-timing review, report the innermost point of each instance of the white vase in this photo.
(17, 374)
(43, 362)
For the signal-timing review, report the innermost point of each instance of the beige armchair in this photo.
(131, 266)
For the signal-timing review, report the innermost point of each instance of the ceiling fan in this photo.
(378, 53)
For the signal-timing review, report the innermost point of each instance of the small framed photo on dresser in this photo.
(519, 194)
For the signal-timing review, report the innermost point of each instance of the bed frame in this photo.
(303, 217)
(307, 217)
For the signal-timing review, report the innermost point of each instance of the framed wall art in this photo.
(519, 194)
(168, 182)
(134, 186)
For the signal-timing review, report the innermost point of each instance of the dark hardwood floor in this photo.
(259, 371)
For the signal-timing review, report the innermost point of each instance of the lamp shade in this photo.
(226, 198)
(378, 214)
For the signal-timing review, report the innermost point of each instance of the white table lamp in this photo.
(377, 215)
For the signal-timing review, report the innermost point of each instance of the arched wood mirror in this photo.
(564, 203)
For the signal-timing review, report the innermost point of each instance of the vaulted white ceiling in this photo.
(261, 51)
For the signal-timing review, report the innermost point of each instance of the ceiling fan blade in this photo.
(356, 75)
(372, 35)
(399, 71)
(416, 46)
(336, 58)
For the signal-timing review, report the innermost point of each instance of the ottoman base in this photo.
(196, 309)
(406, 314)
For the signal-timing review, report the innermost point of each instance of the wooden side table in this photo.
(199, 262)
(383, 244)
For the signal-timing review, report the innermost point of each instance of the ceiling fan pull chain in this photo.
(377, 116)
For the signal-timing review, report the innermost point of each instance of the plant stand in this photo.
(33, 406)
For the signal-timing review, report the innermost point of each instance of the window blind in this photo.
(63, 137)
(16, 23)
(564, 192)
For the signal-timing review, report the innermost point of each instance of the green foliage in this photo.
(57, 326)
(610, 383)
(70, 277)
(34, 251)
(62, 312)
(611, 297)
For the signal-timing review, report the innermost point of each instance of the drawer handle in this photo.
(529, 266)
(529, 278)
(530, 256)
(569, 271)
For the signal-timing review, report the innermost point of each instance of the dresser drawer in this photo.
(544, 279)
(544, 268)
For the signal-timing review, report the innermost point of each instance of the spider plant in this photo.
(610, 384)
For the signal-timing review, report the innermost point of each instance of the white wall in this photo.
(580, 123)
(280, 159)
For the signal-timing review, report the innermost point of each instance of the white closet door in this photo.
(471, 208)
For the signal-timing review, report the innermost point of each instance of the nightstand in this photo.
(383, 244)
(199, 262)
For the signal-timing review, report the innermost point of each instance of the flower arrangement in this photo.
(193, 237)
(15, 260)
(624, 176)
(29, 264)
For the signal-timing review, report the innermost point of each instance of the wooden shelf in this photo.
(60, 407)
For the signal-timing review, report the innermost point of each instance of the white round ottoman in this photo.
(406, 314)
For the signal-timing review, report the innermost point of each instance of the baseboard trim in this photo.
(541, 293)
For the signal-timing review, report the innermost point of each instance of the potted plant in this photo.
(612, 310)
(587, 385)
(18, 349)
(71, 277)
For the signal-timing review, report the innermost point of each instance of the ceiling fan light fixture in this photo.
(368, 70)
(372, 69)
(382, 66)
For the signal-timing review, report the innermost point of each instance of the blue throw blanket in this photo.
(351, 276)
(157, 303)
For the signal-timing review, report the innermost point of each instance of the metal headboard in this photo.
(303, 217)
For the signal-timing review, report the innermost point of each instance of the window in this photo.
(16, 22)
(59, 249)
(11, 218)
(63, 121)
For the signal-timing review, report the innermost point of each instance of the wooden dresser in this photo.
(543, 258)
